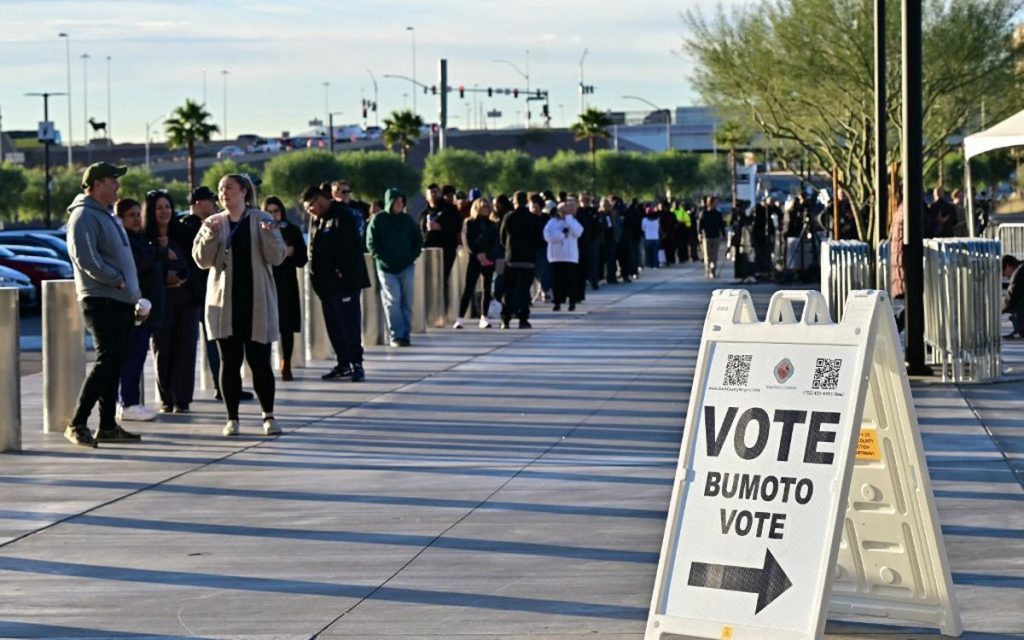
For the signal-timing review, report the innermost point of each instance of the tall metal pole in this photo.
(376, 112)
(527, 76)
(224, 72)
(412, 31)
(913, 188)
(443, 115)
(330, 129)
(327, 106)
(110, 137)
(85, 96)
(881, 130)
(48, 186)
(69, 142)
(583, 103)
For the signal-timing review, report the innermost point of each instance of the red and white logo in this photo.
(784, 370)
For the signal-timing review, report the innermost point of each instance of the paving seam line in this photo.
(991, 435)
(675, 345)
(231, 454)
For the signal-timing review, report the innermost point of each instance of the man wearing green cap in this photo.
(108, 290)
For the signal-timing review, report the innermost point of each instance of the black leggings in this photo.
(287, 345)
(473, 272)
(232, 350)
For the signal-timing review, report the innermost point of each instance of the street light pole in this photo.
(47, 141)
(668, 118)
(583, 103)
(376, 112)
(327, 107)
(85, 96)
(412, 31)
(67, 52)
(148, 126)
(224, 72)
(110, 138)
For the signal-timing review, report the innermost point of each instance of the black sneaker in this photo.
(246, 395)
(404, 342)
(181, 408)
(525, 324)
(557, 307)
(357, 373)
(116, 434)
(337, 373)
(79, 435)
(572, 306)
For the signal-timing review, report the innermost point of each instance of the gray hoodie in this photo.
(100, 252)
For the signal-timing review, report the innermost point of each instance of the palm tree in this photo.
(188, 125)
(402, 128)
(591, 125)
(731, 135)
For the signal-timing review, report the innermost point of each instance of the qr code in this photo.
(737, 371)
(826, 373)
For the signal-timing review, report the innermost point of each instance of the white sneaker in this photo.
(231, 428)
(270, 427)
(485, 323)
(135, 413)
(458, 323)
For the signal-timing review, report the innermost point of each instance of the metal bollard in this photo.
(419, 297)
(433, 259)
(318, 345)
(373, 310)
(10, 376)
(63, 353)
(456, 281)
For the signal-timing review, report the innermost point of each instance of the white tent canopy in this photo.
(1008, 133)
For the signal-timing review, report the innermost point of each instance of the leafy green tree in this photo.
(565, 171)
(801, 71)
(402, 129)
(713, 175)
(137, 182)
(64, 186)
(510, 171)
(460, 167)
(188, 125)
(591, 125)
(732, 135)
(371, 173)
(217, 170)
(286, 175)
(631, 175)
(680, 171)
(12, 184)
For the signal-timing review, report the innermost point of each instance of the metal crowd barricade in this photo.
(883, 267)
(962, 299)
(845, 267)
(1011, 235)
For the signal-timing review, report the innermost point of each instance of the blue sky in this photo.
(278, 55)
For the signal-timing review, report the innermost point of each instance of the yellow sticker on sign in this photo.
(867, 445)
(726, 633)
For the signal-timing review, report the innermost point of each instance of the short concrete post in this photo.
(63, 353)
(373, 310)
(318, 345)
(10, 375)
(419, 297)
(433, 259)
(299, 352)
(456, 281)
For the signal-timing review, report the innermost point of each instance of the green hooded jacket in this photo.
(393, 239)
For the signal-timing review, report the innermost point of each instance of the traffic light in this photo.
(462, 91)
(544, 110)
(515, 93)
(433, 89)
(365, 105)
(538, 94)
(490, 92)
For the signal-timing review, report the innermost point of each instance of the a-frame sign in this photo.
(801, 486)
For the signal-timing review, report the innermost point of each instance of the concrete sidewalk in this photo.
(481, 484)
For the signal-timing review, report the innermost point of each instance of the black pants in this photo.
(343, 316)
(212, 353)
(564, 283)
(174, 347)
(517, 293)
(287, 346)
(257, 354)
(473, 272)
(110, 322)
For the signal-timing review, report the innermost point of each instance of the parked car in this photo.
(37, 269)
(230, 151)
(265, 146)
(25, 250)
(26, 290)
(37, 238)
(373, 133)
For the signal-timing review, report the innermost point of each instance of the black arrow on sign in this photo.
(768, 582)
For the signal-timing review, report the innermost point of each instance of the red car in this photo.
(37, 269)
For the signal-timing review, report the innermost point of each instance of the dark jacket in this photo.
(336, 263)
(289, 307)
(1014, 300)
(521, 236)
(393, 239)
(587, 216)
(711, 223)
(151, 275)
(451, 225)
(481, 236)
(183, 231)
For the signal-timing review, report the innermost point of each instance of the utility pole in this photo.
(85, 96)
(70, 142)
(46, 130)
(583, 103)
(330, 128)
(412, 31)
(110, 137)
(443, 119)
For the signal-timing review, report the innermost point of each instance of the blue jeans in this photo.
(651, 254)
(542, 269)
(396, 290)
(131, 371)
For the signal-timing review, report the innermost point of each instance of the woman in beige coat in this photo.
(240, 247)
